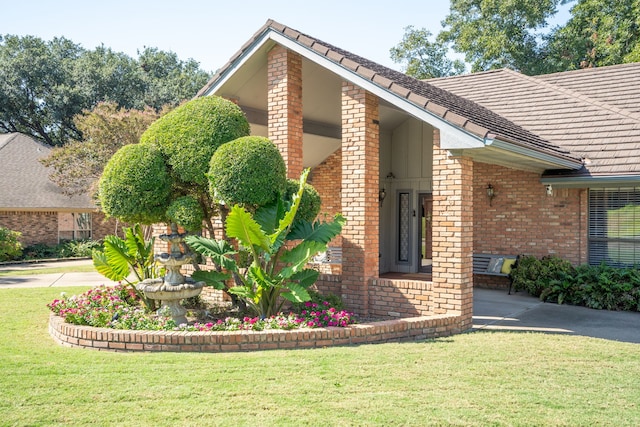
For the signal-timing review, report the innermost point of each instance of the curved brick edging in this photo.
(409, 329)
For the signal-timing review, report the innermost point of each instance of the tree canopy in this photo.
(45, 84)
(516, 34)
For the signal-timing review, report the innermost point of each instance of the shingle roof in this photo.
(572, 110)
(24, 181)
(460, 112)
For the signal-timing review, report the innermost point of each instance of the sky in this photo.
(210, 32)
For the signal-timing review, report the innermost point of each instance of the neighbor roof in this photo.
(24, 181)
(592, 113)
(456, 110)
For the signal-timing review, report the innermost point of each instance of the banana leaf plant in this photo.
(280, 248)
(123, 257)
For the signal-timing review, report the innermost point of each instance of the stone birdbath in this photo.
(174, 286)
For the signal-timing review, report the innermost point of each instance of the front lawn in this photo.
(481, 378)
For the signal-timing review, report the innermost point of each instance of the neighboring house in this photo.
(411, 165)
(36, 207)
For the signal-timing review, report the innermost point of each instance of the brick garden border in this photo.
(407, 329)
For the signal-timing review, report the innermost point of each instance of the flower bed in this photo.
(206, 338)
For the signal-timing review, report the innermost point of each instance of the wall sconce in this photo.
(490, 193)
(381, 195)
(549, 190)
(390, 175)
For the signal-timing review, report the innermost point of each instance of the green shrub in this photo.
(10, 246)
(186, 212)
(190, 134)
(248, 171)
(135, 186)
(309, 203)
(600, 287)
(77, 248)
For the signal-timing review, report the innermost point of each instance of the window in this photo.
(74, 226)
(404, 226)
(614, 226)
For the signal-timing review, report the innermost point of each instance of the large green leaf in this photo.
(296, 293)
(269, 216)
(322, 232)
(285, 223)
(306, 277)
(243, 227)
(220, 251)
(108, 269)
(298, 257)
(215, 279)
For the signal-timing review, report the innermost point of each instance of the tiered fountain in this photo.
(174, 286)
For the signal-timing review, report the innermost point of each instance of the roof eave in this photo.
(559, 160)
(592, 181)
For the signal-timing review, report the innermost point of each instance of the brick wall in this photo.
(284, 105)
(360, 176)
(102, 226)
(36, 227)
(452, 233)
(523, 219)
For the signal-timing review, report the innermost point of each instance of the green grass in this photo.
(477, 379)
(48, 270)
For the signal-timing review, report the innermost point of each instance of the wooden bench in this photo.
(495, 265)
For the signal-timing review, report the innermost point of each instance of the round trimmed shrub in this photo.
(135, 186)
(248, 171)
(309, 203)
(186, 212)
(190, 134)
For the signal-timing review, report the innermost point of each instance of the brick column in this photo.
(452, 234)
(360, 176)
(284, 104)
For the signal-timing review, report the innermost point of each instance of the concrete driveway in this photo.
(496, 310)
(492, 309)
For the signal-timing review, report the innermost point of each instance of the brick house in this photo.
(428, 173)
(33, 205)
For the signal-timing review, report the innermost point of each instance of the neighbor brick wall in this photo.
(102, 226)
(360, 176)
(452, 233)
(36, 227)
(523, 219)
(284, 105)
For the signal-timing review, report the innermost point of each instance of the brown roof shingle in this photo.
(24, 181)
(563, 111)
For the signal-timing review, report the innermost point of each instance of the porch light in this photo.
(490, 193)
(381, 195)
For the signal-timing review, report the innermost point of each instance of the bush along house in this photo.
(436, 176)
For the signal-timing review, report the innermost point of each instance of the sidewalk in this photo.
(89, 279)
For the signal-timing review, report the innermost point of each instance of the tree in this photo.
(44, 85)
(78, 165)
(515, 34)
(598, 33)
(498, 33)
(38, 94)
(163, 178)
(423, 58)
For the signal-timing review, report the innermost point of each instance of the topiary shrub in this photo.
(190, 134)
(248, 171)
(135, 186)
(187, 212)
(309, 203)
(10, 246)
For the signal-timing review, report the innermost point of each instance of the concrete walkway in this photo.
(89, 279)
(493, 309)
